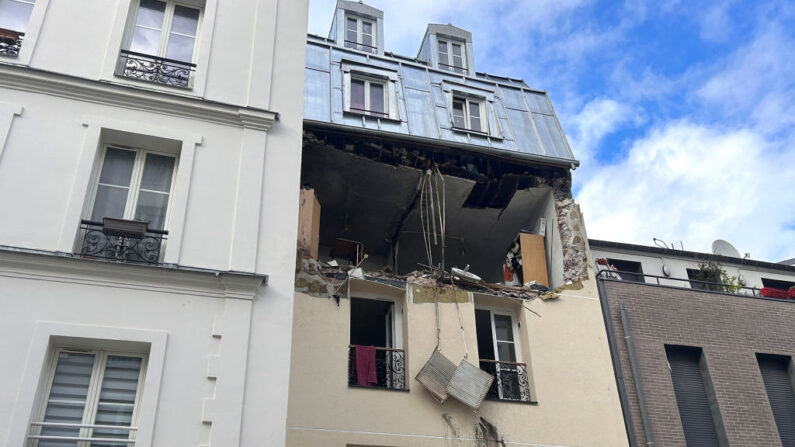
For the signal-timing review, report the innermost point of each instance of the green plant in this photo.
(717, 279)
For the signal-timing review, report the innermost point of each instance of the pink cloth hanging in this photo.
(365, 365)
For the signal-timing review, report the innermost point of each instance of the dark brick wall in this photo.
(730, 329)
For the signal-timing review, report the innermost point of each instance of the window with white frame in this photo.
(161, 43)
(92, 398)
(375, 357)
(134, 184)
(451, 55)
(14, 14)
(369, 96)
(498, 348)
(469, 113)
(370, 91)
(360, 34)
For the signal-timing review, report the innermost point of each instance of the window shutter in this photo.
(346, 91)
(393, 100)
(67, 399)
(698, 423)
(778, 384)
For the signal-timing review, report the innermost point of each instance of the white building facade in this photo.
(149, 171)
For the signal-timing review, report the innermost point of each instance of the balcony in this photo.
(10, 42)
(510, 381)
(121, 240)
(390, 369)
(65, 434)
(157, 70)
(670, 281)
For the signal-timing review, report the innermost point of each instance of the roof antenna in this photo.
(658, 243)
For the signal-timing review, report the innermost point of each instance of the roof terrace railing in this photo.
(640, 278)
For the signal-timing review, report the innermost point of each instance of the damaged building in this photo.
(443, 292)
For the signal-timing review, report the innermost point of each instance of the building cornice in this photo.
(137, 98)
(67, 268)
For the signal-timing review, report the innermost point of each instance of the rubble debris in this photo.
(309, 221)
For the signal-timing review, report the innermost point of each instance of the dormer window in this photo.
(451, 56)
(469, 114)
(360, 34)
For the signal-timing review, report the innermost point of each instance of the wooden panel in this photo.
(309, 222)
(534, 258)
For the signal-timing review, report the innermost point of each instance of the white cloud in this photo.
(697, 183)
(599, 118)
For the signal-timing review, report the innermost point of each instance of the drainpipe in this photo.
(611, 342)
(633, 364)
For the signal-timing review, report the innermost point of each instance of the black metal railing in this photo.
(361, 46)
(98, 242)
(375, 113)
(10, 42)
(510, 381)
(636, 277)
(455, 68)
(158, 70)
(390, 368)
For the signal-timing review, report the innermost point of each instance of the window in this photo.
(134, 184)
(469, 114)
(130, 207)
(161, 43)
(778, 384)
(629, 270)
(369, 96)
(90, 394)
(14, 15)
(777, 284)
(374, 358)
(695, 398)
(705, 280)
(451, 56)
(360, 34)
(499, 355)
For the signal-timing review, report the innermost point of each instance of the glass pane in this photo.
(458, 63)
(474, 116)
(351, 33)
(443, 61)
(503, 328)
(117, 167)
(152, 208)
(458, 115)
(151, 13)
(158, 171)
(367, 40)
(67, 400)
(506, 352)
(145, 40)
(185, 21)
(14, 15)
(456, 50)
(377, 97)
(180, 48)
(357, 95)
(117, 397)
(110, 202)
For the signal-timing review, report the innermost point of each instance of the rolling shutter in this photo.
(780, 394)
(691, 396)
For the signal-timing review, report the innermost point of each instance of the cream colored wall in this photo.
(565, 348)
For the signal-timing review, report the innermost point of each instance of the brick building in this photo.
(697, 363)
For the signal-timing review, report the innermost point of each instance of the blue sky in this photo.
(682, 113)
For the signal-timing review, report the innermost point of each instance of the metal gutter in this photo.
(596, 243)
(633, 364)
(611, 342)
(514, 156)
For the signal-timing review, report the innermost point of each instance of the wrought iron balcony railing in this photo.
(10, 42)
(157, 70)
(510, 381)
(66, 434)
(106, 241)
(390, 368)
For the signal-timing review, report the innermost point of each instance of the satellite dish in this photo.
(723, 248)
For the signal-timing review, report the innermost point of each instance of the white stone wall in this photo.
(223, 339)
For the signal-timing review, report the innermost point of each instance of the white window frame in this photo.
(467, 100)
(516, 342)
(135, 181)
(351, 71)
(94, 389)
(397, 327)
(450, 66)
(32, 4)
(168, 20)
(368, 80)
(359, 44)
